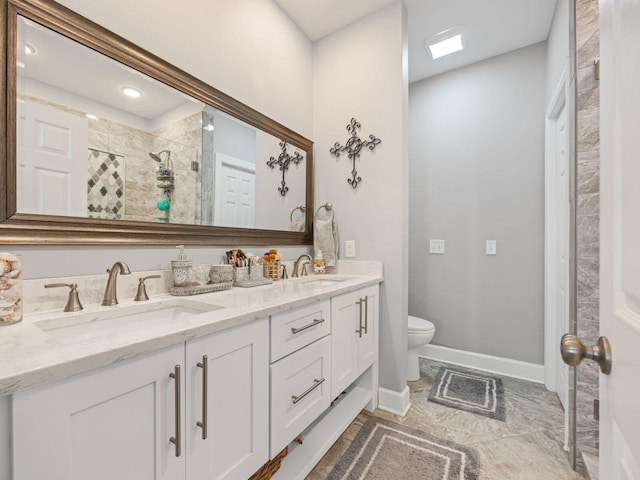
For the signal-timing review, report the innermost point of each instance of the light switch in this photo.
(349, 248)
(492, 247)
(436, 246)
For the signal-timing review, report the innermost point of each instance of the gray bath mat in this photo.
(471, 392)
(383, 450)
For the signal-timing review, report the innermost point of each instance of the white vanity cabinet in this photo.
(135, 421)
(354, 336)
(111, 423)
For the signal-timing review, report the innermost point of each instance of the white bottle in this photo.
(318, 265)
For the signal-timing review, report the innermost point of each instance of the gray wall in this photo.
(374, 91)
(476, 169)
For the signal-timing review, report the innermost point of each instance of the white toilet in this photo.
(420, 332)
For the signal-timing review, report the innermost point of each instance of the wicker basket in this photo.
(271, 269)
(269, 469)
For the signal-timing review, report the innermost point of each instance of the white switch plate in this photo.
(492, 247)
(349, 248)
(436, 246)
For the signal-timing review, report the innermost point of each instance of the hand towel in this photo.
(325, 239)
(297, 225)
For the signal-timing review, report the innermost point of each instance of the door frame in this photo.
(552, 333)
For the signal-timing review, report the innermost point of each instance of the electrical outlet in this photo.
(436, 246)
(492, 247)
(349, 248)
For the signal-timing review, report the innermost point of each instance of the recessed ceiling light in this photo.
(91, 116)
(444, 43)
(30, 49)
(131, 92)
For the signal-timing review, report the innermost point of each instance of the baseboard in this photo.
(502, 366)
(394, 402)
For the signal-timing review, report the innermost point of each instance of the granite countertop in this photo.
(31, 356)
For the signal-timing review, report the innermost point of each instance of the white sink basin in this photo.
(324, 280)
(115, 321)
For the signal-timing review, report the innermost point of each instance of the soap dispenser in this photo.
(181, 269)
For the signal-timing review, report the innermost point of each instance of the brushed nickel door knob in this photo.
(573, 352)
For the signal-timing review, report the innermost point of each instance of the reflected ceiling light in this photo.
(20, 64)
(131, 92)
(444, 43)
(30, 49)
(208, 127)
(91, 116)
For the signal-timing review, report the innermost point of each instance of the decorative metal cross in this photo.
(353, 147)
(283, 161)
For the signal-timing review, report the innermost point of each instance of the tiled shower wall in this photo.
(588, 221)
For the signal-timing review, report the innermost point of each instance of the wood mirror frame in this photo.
(20, 228)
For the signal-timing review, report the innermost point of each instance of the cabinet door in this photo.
(113, 423)
(368, 339)
(237, 403)
(344, 348)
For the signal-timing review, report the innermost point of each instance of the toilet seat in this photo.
(420, 325)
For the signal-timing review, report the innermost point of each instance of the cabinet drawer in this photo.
(290, 331)
(300, 392)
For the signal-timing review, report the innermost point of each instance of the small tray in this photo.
(198, 289)
(253, 283)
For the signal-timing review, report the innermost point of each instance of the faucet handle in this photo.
(141, 295)
(73, 302)
(284, 275)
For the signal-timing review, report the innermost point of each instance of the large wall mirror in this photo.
(106, 143)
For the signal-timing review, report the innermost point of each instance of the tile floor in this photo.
(528, 446)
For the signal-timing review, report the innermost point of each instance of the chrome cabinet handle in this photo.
(315, 385)
(359, 331)
(177, 440)
(204, 365)
(366, 313)
(315, 322)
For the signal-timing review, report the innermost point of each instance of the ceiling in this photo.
(491, 27)
(71, 67)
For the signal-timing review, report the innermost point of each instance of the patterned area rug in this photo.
(384, 450)
(471, 392)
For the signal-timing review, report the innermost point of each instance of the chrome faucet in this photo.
(110, 297)
(296, 265)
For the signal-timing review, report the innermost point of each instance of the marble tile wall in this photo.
(184, 139)
(588, 218)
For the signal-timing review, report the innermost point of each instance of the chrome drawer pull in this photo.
(360, 328)
(177, 440)
(317, 321)
(205, 382)
(366, 313)
(308, 391)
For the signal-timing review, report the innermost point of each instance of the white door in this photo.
(234, 197)
(114, 423)
(52, 161)
(620, 237)
(236, 412)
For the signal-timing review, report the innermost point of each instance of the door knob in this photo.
(573, 351)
